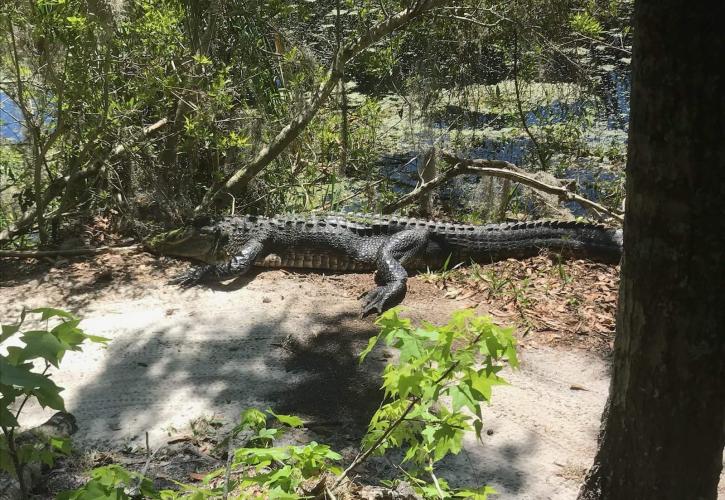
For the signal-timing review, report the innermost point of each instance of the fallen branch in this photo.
(71, 252)
(241, 177)
(501, 169)
(57, 186)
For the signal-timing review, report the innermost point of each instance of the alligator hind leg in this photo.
(237, 266)
(391, 275)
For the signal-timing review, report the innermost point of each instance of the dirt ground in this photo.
(289, 341)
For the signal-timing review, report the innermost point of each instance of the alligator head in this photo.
(204, 239)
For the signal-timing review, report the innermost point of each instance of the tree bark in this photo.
(428, 170)
(664, 428)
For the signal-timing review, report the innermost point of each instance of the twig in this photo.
(136, 490)
(435, 480)
(57, 186)
(17, 465)
(38, 254)
(364, 456)
(292, 130)
(367, 186)
(228, 472)
(420, 190)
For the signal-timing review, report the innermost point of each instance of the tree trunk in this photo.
(664, 428)
(428, 170)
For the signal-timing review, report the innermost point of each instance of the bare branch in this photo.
(501, 169)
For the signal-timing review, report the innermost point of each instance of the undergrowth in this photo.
(433, 396)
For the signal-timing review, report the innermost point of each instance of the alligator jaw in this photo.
(186, 242)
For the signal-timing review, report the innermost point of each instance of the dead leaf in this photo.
(196, 476)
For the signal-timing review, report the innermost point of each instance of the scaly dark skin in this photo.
(230, 246)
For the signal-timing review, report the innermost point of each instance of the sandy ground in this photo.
(289, 342)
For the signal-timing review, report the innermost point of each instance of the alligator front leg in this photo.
(237, 266)
(391, 275)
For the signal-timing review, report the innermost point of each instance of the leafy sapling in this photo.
(434, 392)
(20, 381)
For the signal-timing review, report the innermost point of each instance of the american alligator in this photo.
(229, 246)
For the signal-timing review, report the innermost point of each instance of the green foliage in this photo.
(277, 470)
(435, 389)
(112, 482)
(229, 76)
(586, 24)
(20, 381)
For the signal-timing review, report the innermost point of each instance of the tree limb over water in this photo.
(501, 169)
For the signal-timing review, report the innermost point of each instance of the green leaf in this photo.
(42, 344)
(477, 494)
(253, 418)
(290, 420)
(461, 397)
(7, 419)
(372, 342)
(481, 383)
(8, 331)
(21, 376)
(407, 384)
(409, 348)
(277, 493)
(49, 312)
(15, 355)
(98, 339)
(50, 397)
(62, 445)
(511, 356)
(478, 427)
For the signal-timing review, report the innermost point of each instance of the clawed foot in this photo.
(189, 278)
(383, 298)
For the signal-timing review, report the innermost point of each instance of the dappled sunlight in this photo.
(290, 343)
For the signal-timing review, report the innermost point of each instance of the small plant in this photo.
(113, 481)
(278, 470)
(20, 381)
(565, 277)
(434, 392)
(445, 273)
(496, 282)
(518, 292)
